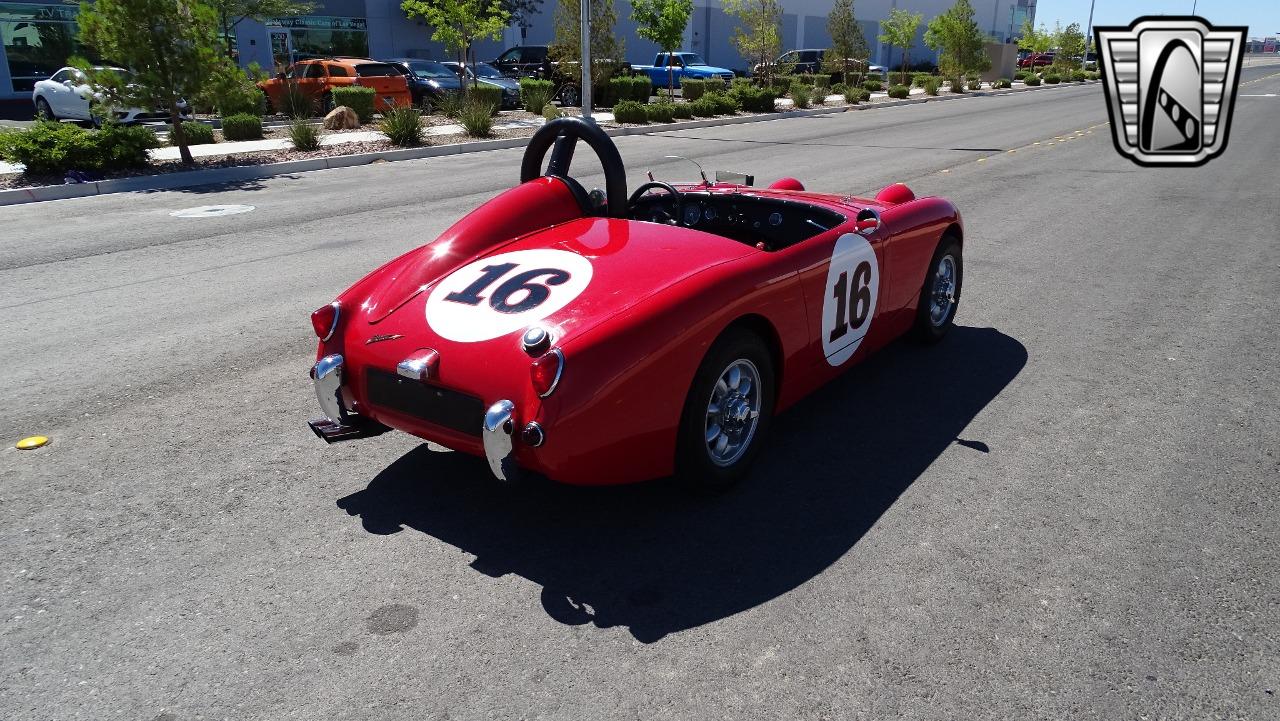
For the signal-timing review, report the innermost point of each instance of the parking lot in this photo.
(1065, 510)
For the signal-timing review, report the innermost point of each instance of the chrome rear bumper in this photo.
(499, 425)
(337, 424)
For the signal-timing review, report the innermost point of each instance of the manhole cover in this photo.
(210, 211)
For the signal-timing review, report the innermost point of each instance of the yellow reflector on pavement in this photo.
(31, 442)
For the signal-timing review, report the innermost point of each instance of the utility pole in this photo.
(1088, 33)
(585, 13)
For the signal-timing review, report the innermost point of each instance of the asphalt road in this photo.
(1066, 510)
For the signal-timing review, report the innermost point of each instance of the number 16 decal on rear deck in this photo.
(853, 282)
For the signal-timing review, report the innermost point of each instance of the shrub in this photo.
(551, 112)
(931, 86)
(873, 86)
(1032, 80)
(975, 84)
(641, 88)
(753, 99)
(295, 102)
(535, 94)
(126, 146)
(1090, 75)
(957, 85)
(693, 89)
(231, 92)
(403, 126)
(723, 103)
(659, 112)
(900, 78)
(1052, 79)
(681, 111)
(51, 147)
(702, 108)
(450, 104)
(359, 99)
(197, 133)
(629, 111)
(737, 85)
(304, 135)
(242, 126)
(476, 115)
(490, 95)
(899, 91)
(821, 82)
(781, 84)
(800, 96)
(918, 79)
(972, 76)
(1002, 83)
(1021, 75)
(1079, 76)
(839, 89)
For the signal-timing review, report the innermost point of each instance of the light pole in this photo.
(1088, 33)
(585, 12)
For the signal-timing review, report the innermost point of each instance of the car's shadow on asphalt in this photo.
(657, 559)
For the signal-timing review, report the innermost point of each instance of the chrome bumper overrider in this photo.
(499, 425)
(337, 424)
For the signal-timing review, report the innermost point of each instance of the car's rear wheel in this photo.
(940, 295)
(43, 111)
(727, 412)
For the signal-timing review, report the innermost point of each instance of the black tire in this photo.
(694, 463)
(326, 103)
(569, 96)
(43, 111)
(929, 328)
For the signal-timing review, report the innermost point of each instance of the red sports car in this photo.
(596, 338)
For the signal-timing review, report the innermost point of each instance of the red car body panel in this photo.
(632, 339)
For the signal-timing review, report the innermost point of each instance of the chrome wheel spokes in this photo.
(733, 411)
(942, 293)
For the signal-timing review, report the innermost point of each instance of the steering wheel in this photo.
(565, 134)
(677, 202)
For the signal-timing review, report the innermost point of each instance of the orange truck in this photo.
(317, 78)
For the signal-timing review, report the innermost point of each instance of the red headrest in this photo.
(787, 184)
(895, 194)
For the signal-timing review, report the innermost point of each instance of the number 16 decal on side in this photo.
(853, 282)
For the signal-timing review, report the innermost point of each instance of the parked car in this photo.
(668, 66)
(428, 80)
(606, 337)
(488, 75)
(811, 61)
(534, 61)
(68, 95)
(317, 78)
(1036, 60)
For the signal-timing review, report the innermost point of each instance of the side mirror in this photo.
(868, 222)
(279, 76)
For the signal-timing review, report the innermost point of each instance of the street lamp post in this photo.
(585, 12)
(1088, 32)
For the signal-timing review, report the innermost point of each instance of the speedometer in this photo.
(692, 212)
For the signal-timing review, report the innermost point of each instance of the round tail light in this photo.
(545, 372)
(325, 320)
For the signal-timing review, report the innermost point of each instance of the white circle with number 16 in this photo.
(503, 293)
(853, 282)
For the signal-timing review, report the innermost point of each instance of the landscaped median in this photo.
(277, 152)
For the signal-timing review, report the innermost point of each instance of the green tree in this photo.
(847, 41)
(232, 12)
(457, 24)
(960, 42)
(662, 22)
(899, 30)
(607, 49)
(758, 37)
(1070, 43)
(170, 46)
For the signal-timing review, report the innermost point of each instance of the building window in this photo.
(38, 40)
(316, 36)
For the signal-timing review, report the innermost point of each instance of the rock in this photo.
(341, 118)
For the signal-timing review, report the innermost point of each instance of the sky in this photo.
(1262, 16)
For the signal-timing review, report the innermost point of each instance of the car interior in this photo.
(767, 223)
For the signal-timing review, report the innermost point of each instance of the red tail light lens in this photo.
(325, 320)
(545, 372)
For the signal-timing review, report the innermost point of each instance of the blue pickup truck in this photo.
(682, 65)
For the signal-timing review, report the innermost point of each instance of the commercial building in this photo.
(39, 35)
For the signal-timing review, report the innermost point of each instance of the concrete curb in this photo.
(215, 176)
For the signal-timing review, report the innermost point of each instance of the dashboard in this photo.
(775, 222)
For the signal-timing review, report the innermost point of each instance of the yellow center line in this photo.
(1258, 80)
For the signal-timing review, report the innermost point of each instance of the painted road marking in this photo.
(211, 211)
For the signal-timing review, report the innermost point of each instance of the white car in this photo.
(67, 95)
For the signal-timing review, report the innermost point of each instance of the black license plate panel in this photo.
(434, 404)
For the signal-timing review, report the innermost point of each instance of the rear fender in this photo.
(915, 228)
